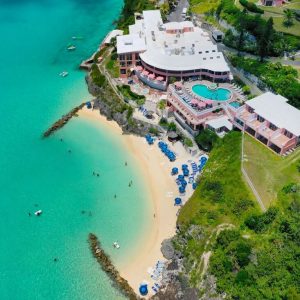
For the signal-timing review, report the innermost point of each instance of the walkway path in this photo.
(248, 180)
(175, 16)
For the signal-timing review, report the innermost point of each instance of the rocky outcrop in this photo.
(110, 106)
(63, 120)
(107, 266)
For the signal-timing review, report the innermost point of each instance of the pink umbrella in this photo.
(160, 78)
(151, 76)
(209, 101)
(145, 73)
(139, 68)
(194, 102)
(178, 84)
(201, 104)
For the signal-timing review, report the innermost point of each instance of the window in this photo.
(288, 134)
(211, 58)
(121, 56)
(214, 51)
(204, 58)
(137, 56)
(260, 119)
(200, 52)
(218, 56)
(123, 71)
(122, 64)
(206, 51)
(129, 63)
(129, 56)
(273, 127)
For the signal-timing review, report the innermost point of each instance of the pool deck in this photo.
(235, 95)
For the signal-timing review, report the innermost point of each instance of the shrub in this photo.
(246, 90)
(97, 77)
(172, 126)
(251, 7)
(153, 130)
(206, 139)
(188, 142)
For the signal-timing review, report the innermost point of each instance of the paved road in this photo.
(175, 16)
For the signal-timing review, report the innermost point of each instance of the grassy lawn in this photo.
(112, 67)
(278, 17)
(268, 171)
(203, 6)
(222, 189)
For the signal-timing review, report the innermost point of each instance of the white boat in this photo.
(71, 48)
(77, 37)
(38, 212)
(116, 245)
(64, 74)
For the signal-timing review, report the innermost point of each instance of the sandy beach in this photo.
(155, 168)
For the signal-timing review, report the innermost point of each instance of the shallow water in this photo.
(40, 173)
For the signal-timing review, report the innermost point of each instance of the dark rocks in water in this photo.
(167, 249)
(63, 120)
(107, 266)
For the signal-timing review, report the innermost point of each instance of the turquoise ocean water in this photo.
(41, 174)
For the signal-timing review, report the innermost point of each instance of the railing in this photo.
(154, 84)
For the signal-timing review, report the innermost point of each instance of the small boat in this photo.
(64, 74)
(71, 48)
(38, 212)
(77, 37)
(116, 245)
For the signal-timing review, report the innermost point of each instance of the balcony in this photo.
(157, 83)
(280, 140)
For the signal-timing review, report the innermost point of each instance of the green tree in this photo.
(266, 39)
(289, 16)
(240, 26)
(206, 139)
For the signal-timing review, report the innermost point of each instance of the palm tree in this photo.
(289, 16)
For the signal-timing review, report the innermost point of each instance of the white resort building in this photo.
(156, 51)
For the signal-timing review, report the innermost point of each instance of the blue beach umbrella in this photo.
(183, 183)
(178, 201)
(89, 105)
(143, 289)
(184, 166)
(181, 189)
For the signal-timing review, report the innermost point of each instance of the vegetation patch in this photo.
(258, 258)
(129, 94)
(281, 79)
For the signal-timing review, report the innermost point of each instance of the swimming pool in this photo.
(218, 94)
(235, 104)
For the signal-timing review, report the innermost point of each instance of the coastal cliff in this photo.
(114, 109)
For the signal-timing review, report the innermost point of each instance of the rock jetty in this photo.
(63, 120)
(106, 264)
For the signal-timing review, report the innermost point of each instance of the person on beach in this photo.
(29, 214)
(115, 196)
(125, 163)
(69, 151)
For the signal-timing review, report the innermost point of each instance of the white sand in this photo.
(156, 169)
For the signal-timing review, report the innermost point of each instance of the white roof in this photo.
(184, 51)
(275, 109)
(112, 34)
(130, 43)
(220, 122)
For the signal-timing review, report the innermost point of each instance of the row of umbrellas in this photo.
(164, 148)
(150, 76)
(149, 139)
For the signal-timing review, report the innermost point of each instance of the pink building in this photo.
(272, 2)
(272, 121)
